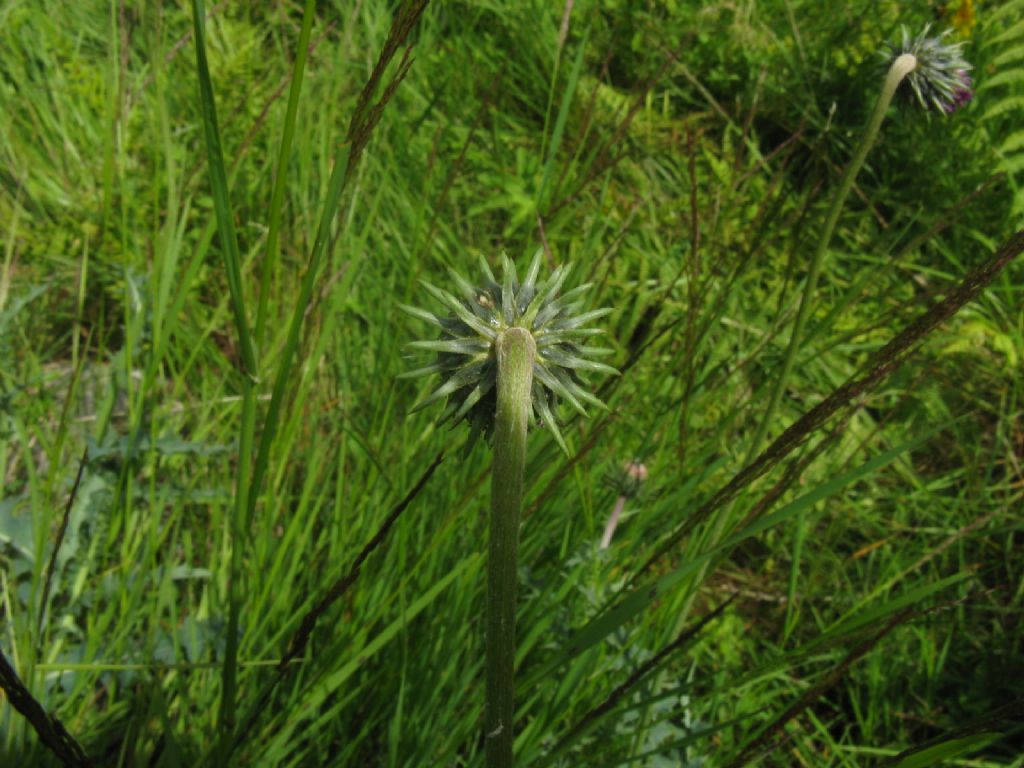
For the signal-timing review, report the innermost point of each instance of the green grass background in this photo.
(680, 154)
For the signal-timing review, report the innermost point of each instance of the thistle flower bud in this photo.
(940, 76)
(479, 315)
(626, 478)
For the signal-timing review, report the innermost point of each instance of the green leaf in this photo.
(1011, 104)
(221, 197)
(947, 750)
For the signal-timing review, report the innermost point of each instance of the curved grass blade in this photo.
(233, 270)
(637, 600)
(280, 177)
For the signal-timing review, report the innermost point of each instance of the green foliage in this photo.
(1002, 40)
(680, 155)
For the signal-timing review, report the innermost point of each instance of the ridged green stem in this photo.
(900, 68)
(515, 350)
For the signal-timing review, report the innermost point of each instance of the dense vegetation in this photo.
(861, 599)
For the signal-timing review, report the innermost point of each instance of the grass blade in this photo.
(233, 270)
(280, 178)
(637, 600)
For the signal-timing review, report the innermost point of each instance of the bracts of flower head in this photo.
(933, 73)
(940, 78)
(478, 314)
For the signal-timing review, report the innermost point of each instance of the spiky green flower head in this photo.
(478, 315)
(940, 78)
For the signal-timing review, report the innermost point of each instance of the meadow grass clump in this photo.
(232, 532)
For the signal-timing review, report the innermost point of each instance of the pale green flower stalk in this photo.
(508, 353)
(627, 480)
(936, 75)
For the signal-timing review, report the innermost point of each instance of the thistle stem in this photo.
(900, 68)
(613, 522)
(515, 350)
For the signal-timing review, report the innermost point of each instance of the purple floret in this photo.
(962, 94)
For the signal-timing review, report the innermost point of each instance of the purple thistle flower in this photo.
(962, 94)
(940, 77)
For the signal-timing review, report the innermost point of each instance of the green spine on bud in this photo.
(478, 315)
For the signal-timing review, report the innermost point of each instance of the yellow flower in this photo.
(962, 17)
